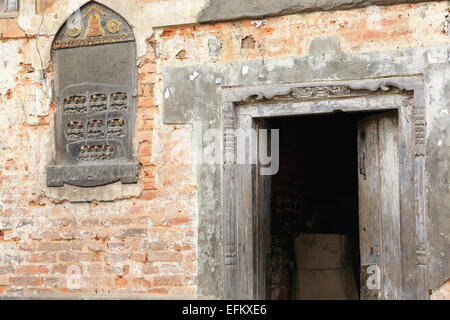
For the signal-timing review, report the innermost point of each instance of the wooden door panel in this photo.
(379, 206)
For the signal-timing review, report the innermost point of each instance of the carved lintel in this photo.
(323, 90)
(320, 92)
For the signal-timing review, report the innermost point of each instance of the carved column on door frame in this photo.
(229, 156)
(229, 124)
(419, 117)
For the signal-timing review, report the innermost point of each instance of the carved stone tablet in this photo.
(95, 78)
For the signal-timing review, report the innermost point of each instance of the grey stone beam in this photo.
(223, 10)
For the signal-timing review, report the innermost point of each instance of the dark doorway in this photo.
(315, 206)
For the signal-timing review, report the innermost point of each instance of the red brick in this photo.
(149, 172)
(78, 257)
(26, 281)
(138, 257)
(176, 280)
(57, 246)
(132, 232)
(149, 184)
(158, 291)
(148, 195)
(145, 160)
(182, 247)
(164, 256)
(93, 268)
(150, 269)
(7, 269)
(142, 283)
(121, 282)
(148, 68)
(41, 258)
(179, 220)
(146, 102)
(145, 149)
(32, 269)
(156, 245)
(147, 113)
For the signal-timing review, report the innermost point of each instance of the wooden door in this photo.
(379, 206)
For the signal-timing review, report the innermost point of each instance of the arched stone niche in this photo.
(94, 55)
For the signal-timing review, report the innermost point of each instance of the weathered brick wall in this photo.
(145, 244)
(141, 245)
(230, 45)
(360, 30)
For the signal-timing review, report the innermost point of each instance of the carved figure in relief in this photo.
(96, 129)
(96, 153)
(119, 101)
(98, 102)
(75, 105)
(116, 128)
(75, 130)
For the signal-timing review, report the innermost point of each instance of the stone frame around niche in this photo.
(94, 54)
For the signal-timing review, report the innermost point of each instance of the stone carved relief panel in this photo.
(95, 63)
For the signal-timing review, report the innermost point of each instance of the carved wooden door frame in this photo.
(242, 106)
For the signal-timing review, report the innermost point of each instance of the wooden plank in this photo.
(369, 207)
(379, 203)
(407, 202)
(244, 193)
(390, 206)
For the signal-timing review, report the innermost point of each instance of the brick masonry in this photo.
(142, 245)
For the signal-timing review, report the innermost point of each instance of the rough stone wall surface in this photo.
(152, 242)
